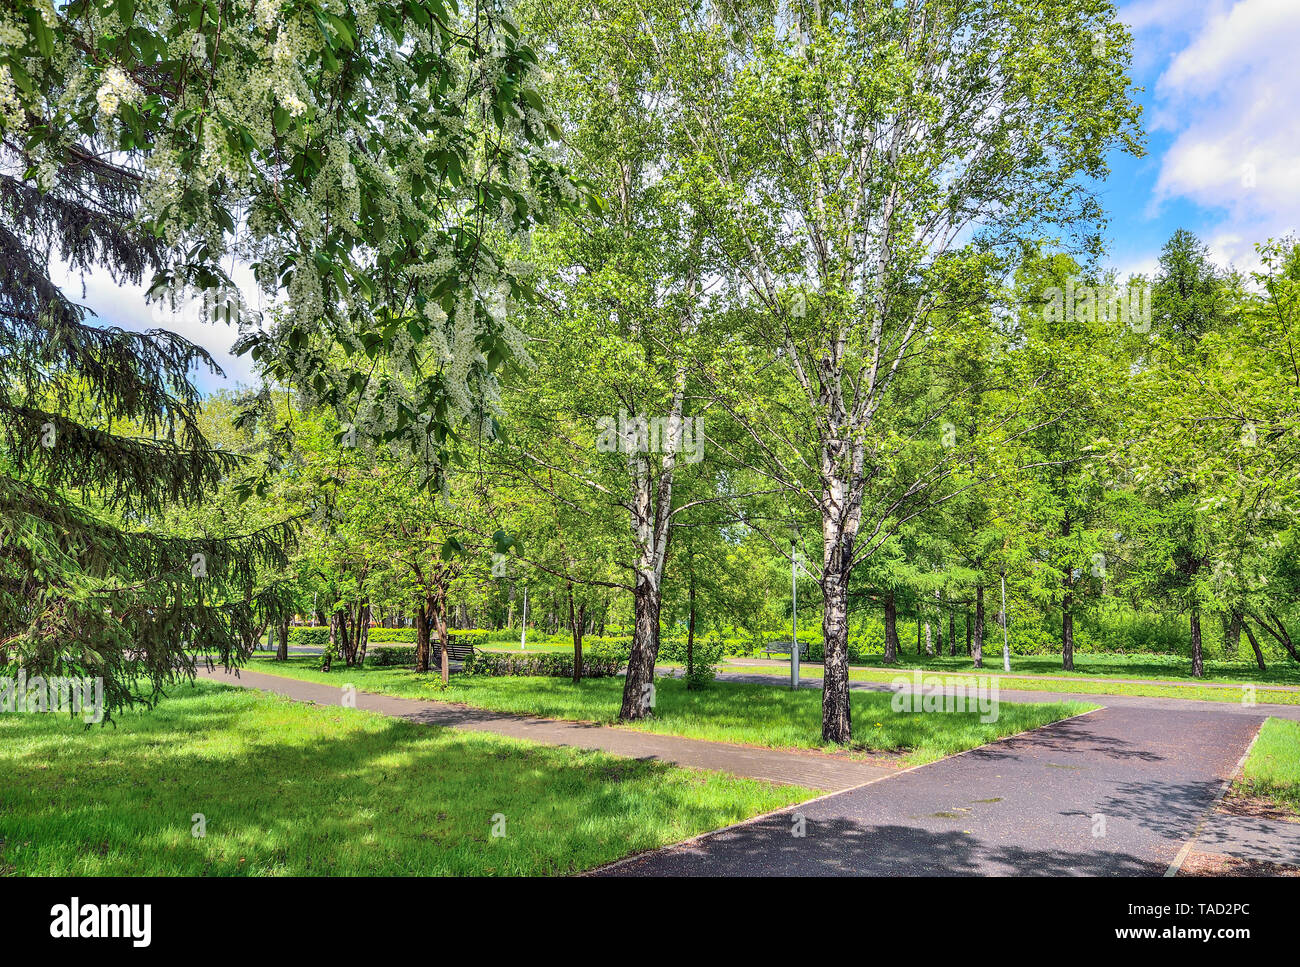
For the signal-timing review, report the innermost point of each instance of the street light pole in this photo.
(1006, 647)
(523, 632)
(794, 620)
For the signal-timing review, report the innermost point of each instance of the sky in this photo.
(1219, 83)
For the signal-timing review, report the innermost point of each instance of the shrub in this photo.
(707, 650)
(387, 657)
(318, 637)
(596, 663)
(382, 636)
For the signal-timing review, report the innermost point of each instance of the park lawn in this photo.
(288, 788)
(1272, 770)
(1078, 686)
(723, 712)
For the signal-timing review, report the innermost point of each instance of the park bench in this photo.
(457, 649)
(783, 648)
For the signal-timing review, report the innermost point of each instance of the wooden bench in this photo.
(783, 648)
(459, 650)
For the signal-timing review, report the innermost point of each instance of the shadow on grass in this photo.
(285, 789)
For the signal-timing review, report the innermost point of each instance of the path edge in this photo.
(1186, 850)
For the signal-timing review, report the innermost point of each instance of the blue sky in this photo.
(1220, 86)
(1221, 82)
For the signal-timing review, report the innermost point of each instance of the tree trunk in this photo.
(1067, 608)
(282, 653)
(968, 632)
(1198, 661)
(332, 650)
(891, 628)
(690, 626)
(1276, 627)
(837, 723)
(651, 520)
(978, 653)
(440, 619)
(1231, 634)
(363, 634)
(576, 622)
(952, 634)
(638, 685)
(1254, 645)
(423, 606)
(345, 636)
(1067, 631)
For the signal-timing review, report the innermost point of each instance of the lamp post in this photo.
(794, 611)
(523, 631)
(1006, 647)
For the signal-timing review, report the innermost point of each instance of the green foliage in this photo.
(378, 161)
(319, 636)
(598, 662)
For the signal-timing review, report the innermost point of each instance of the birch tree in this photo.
(867, 168)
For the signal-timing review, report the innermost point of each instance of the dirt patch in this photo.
(1240, 803)
(1216, 864)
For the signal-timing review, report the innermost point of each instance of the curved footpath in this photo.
(1124, 790)
(1121, 790)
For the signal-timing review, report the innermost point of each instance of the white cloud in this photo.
(1228, 97)
(124, 305)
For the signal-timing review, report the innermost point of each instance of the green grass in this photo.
(724, 712)
(1083, 684)
(288, 788)
(1272, 771)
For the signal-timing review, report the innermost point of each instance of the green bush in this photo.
(383, 636)
(597, 662)
(318, 637)
(315, 637)
(391, 656)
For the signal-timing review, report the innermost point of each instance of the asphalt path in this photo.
(1117, 791)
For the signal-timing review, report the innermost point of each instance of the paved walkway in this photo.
(1255, 712)
(1257, 838)
(814, 670)
(1115, 792)
(809, 769)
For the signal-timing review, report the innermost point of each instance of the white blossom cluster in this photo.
(116, 89)
(375, 162)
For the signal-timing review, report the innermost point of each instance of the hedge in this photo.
(597, 663)
(320, 637)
